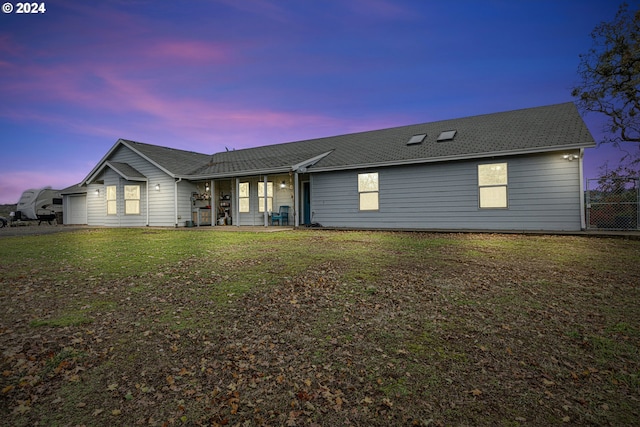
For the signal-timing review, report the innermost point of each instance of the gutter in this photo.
(469, 156)
(147, 208)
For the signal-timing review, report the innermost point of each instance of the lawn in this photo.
(155, 327)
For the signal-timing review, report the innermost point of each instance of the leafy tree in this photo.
(610, 74)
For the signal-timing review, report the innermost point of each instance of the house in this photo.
(516, 170)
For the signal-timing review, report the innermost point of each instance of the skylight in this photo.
(447, 135)
(417, 139)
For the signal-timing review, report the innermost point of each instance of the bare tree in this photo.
(610, 74)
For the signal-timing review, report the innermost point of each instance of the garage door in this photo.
(76, 210)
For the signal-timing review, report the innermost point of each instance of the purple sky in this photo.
(203, 75)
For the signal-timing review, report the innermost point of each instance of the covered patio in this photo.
(264, 200)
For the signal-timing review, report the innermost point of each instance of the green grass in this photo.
(68, 319)
(177, 327)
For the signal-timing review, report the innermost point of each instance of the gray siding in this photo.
(96, 206)
(98, 212)
(161, 204)
(543, 194)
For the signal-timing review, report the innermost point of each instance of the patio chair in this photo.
(282, 216)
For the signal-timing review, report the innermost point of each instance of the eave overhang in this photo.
(470, 156)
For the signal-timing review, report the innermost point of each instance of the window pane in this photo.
(368, 201)
(111, 192)
(368, 182)
(493, 197)
(261, 189)
(132, 207)
(244, 204)
(493, 174)
(261, 204)
(244, 189)
(131, 192)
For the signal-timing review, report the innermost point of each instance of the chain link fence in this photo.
(613, 203)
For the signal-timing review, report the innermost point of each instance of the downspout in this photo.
(147, 202)
(175, 199)
(583, 222)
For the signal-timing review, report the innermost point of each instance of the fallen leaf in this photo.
(476, 392)
(116, 412)
(22, 408)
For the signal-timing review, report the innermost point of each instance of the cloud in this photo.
(193, 51)
(14, 183)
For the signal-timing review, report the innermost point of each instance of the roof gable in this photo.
(171, 161)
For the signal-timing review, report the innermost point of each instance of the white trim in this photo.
(175, 199)
(265, 190)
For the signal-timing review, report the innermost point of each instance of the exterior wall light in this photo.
(157, 187)
(97, 192)
(283, 185)
(570, 157)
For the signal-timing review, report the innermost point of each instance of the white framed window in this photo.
(112, 203)
(243, 197)
(132, 200)
(492, 186)
(261, 196)
(368, 191)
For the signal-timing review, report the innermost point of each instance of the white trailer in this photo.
(43, 204)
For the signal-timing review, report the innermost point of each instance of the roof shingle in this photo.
(539, 129)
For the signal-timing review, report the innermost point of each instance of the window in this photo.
(261, 196)
(416, 139)
(132, 200)
(446, 135)
(492, 185)
(112, 207)
(243, 197)
(368, 191)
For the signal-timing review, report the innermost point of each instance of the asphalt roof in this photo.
(174, 161)
(539, 129)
